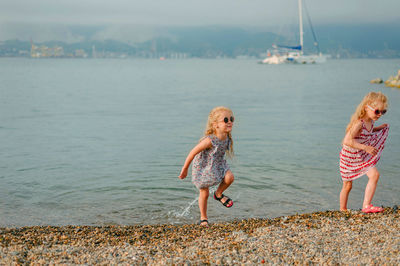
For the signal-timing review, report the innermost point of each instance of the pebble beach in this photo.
(329, 237)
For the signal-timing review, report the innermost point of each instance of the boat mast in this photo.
(301, 26)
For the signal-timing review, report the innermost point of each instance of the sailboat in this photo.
(294, 54)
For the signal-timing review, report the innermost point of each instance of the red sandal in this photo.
(372, 209)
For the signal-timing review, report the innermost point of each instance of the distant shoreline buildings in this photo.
(44, 51)
(57, 51)
(164, 48)
(54, 52)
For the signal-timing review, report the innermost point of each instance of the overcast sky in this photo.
(15, 15)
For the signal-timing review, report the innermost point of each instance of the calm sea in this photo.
(96, 142)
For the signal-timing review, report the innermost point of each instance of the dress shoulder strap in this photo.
(214, 139)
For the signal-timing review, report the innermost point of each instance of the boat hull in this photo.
(294, 59)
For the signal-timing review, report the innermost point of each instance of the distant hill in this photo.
(370, 40)
(344, 41)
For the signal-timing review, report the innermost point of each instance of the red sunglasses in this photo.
(377, 111)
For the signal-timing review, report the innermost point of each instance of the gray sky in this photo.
(18, 17)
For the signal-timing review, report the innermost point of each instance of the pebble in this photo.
(329, 237)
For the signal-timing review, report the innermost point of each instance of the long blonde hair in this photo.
(213, 118)
(371, 99)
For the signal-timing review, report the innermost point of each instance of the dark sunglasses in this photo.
(226, 119)
(377, 111)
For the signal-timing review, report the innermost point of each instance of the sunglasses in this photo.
(226, 119)
(377, 111)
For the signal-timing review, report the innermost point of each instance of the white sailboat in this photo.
(294, 54)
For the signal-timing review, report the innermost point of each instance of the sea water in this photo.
(102, 141)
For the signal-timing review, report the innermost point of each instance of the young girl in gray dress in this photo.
(209, 165)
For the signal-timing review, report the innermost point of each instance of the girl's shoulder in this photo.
(206, 139)
(357, 126)
(204, 143)
(214, 140)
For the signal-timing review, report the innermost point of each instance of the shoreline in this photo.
(320, 237)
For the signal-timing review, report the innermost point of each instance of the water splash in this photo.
(238, 196)
(185, 212)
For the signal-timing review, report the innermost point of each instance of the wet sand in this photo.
(330, 237)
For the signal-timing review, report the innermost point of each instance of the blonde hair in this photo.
(370, 99)
(213, 117)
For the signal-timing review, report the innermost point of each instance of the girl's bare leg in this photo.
(226, 182)
(203, 197)
(373, 176)
(344, 194)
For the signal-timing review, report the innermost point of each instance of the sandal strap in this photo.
(219, 199)
(226, 203)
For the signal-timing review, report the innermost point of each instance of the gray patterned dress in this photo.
(209, 166)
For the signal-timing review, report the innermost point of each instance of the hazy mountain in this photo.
(214, 41)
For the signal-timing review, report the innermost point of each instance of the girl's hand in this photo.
(183, 173)
(383, 126)
(371, 150)
(380, 127)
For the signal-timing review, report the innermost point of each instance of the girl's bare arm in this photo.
(204, 144)
(349, 139)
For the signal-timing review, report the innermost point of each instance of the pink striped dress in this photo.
(355, 163)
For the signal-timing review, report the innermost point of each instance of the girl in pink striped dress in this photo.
(362, 148)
